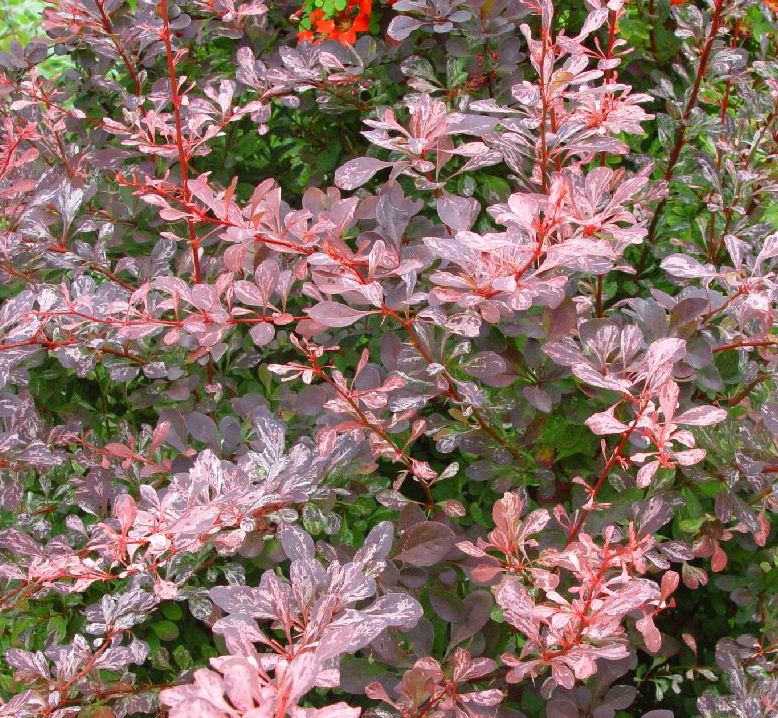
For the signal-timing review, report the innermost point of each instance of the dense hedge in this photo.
(412, 358)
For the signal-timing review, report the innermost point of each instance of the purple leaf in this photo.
(424, 544)
(402, 26)
(458, 213)
(262, 334)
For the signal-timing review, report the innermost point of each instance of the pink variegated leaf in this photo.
(646, 473)
(605, 422)
(356, 629)
(335, 710)
(333, 314)
(518, 608)
(664, 351)
(701, 416)
(650, 633)
(356, 172)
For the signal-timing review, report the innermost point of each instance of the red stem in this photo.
(747, 343)
(105, 19)
(615, 458)
(544, 113)
(652, 28)
(183, 159)
(680, 135)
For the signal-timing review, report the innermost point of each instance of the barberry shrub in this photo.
(409, 358)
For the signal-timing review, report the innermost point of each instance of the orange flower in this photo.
(343, 27)
(322, 25)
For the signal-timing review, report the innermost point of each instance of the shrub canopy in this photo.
(414, 358)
